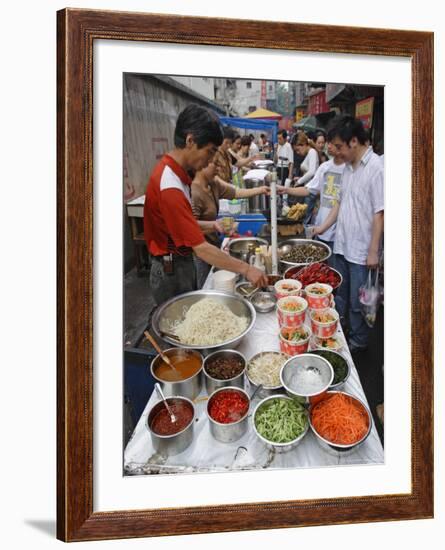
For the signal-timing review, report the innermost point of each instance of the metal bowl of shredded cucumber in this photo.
(280, 422)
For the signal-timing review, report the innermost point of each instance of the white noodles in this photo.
(265, 369)
(209, 322)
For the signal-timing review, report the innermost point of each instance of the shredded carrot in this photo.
(340, 419)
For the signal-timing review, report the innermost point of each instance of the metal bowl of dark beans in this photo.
(224, 368)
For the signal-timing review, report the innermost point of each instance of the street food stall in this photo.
(261, 379)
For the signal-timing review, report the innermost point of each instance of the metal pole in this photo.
(273, 222)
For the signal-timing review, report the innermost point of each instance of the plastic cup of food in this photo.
(318, 295)
(324, 323)
(291, 311)
(333, 343)
(294, 341)
(228, 224)
(287, 287)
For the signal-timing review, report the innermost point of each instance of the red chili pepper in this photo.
(228, 406)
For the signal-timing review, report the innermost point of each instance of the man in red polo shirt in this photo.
(171, 231)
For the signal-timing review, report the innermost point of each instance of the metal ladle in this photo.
(167, 406)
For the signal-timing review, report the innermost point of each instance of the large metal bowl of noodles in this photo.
(174, 310)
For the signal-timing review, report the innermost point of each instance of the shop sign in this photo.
(317, 104)
(263, 93)
(299, 114)
(364, 110)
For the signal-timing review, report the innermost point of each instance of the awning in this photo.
(264, 113)
(308, 124)
(257, 124)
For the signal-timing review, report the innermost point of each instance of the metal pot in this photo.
(228, 433)
(335, 449)
(325, 354)
(190, 387)
(244, 247)
(306, 361)
(213, 384)
(258, 203)
(169, 445)
(172, 311)
(266, 391)
(277, 447)
(286, 246)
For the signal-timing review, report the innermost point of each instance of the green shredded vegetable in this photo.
(281, 420)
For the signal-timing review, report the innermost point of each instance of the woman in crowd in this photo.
(238, 160)
(306, 148)
(320, 145)
(207, 190)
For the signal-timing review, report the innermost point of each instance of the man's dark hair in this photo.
(245, 140)
(229, 133)
(201, 123)
(262, 136)
(283, 133)
(347, 127)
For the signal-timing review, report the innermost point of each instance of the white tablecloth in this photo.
(248, 453)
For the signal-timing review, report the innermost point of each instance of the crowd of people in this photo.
(336, 173)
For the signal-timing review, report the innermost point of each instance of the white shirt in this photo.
(253, 149)
(362, 196)
(327, 184)
(285, 155)
(309, 166)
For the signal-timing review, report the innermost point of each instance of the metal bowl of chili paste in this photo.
(171, 438)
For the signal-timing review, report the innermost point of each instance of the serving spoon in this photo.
(167, 406)
(158, 349)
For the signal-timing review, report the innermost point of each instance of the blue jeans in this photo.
(347, 298)
(330, 260)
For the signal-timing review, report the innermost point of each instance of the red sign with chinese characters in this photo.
(263, 94)
(317, 104)
(364, 110)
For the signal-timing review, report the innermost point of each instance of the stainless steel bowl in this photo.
(286, 246)
(336, 449)
(292, 273)
(189, 387)
(173, 310)
(243, 247)
(213, 384)
(277, 447)
(266, 391)
(306, 361)
(228, 433)
(169, 445)
(264, 302)
(324, 353)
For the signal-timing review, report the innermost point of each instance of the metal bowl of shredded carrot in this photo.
(340, 422)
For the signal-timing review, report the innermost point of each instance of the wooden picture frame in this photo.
(77, 31)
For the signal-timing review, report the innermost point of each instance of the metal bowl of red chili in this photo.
(228, 410)
(224, 368)
(171, 438)
(315, 273)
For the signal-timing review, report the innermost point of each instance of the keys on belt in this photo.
(167, 263)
